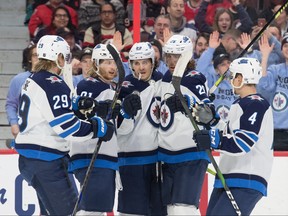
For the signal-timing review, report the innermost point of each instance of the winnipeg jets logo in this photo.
(192, 73)
(153, 114)
(223, 112)
(166, 117)
(256, 97)
(279, 101)
(54, 79)
(126, 84)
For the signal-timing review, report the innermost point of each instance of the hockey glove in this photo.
(175, 104)
(102, 129)
(205, 139)
(84, 107)
(205, 114)
(104, 106)
(130, 106)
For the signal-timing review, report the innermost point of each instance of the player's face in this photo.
(142, 68)
(34, 58)
(108, 69)
(171, 60)
(86, 64)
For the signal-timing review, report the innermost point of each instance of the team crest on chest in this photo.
(54, 79)
(166, 117)
(279, 102)
(153, 113)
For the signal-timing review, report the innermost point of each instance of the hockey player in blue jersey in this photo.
(100, 192)
(47, 124)
(184, 167)
(137, 135)
(245, 144)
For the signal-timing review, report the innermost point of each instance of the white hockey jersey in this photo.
(137, 138)
(81, 153)
(176, 131)
(47, 122)
(246, 149)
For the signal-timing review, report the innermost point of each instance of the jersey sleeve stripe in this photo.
(71, 130)
(61, 119)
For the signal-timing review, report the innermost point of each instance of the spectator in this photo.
(191, 9)
(43, 13)
(250, 11)
(89, 14)
(282, 20)
(85, 65)
(212, 70)
(179, 25)
(267, 13)
(154, 8)
(201, 44)
(274, 81)
(223, 19)
(160, 65)
(162, 22)
(60, 18)
(105, 30)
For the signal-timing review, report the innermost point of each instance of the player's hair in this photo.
(44, 64)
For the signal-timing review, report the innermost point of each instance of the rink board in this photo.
(17, 198)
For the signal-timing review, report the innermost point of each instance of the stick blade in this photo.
(182, 63)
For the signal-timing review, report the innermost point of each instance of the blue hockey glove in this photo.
(205, 114)
(84, 107)
(130, 106)
(102, 129)
(175, 104)
(205, 139)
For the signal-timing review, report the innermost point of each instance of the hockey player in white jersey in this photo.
(184, 167)
(137, 135)
(47, 124)
(245, 145)
(100, 190)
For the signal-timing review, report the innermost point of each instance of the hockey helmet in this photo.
(249, 68)
(50, 46)
(178, 44)
(100, 52)
(142, 50)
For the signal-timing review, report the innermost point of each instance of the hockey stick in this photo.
(221, 78)
(121, 73)
(68, 77)
(176, 81)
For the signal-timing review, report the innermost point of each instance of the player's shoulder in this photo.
(194, 76)
(254, 101)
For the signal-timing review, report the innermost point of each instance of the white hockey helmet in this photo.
(100, 52)
(142, 50)
(50, 46)
(249, 68)
(178, 44)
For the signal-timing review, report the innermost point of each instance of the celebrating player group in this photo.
(126, 128)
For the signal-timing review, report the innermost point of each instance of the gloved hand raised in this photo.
(175, 104)
(104, 106)
(205, 139)
(84, 107)
(205, 114)
(130, 105)
(102, 129)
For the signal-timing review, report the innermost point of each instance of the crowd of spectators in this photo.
(219, 30)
